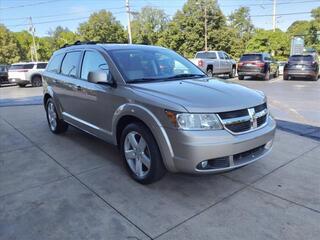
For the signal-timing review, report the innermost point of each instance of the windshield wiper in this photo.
(186, 75)
(141, 80)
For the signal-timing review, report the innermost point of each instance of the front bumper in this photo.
(220, 148)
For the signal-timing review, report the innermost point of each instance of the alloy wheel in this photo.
(137, 154)
(52, 116)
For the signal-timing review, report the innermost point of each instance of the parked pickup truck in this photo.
(215, 62)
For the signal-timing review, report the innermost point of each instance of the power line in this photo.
(59, 20)
(281, 14)
(28, 5)
(60, 14)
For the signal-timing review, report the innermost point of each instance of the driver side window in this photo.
(92, 61)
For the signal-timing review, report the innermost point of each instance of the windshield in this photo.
(21, 66)
(301, 58)
(251, 57)
(153, 64)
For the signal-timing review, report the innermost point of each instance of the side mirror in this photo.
(103, 77)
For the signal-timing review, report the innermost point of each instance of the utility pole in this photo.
(129, 21)
(274, 15)
(34, 48)
(205, 29)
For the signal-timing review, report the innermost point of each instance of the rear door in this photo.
(67, 86)
(222, 61)
(228, 62)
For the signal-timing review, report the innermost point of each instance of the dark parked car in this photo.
(302, 66)
(3, 74)
(260, 65)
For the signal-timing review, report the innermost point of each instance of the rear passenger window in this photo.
(70, 64)
(221, 55)
(41, 65)
(93, 61)
(54, 64)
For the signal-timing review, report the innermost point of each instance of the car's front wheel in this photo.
(56, 124)
(141, 154)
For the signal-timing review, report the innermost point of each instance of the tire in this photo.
(22, 85)
(240, 77)
(285, 77)
(56, 125)
(209, 72)
(36, 81)
(137, 143)
(267, 76)
(232, 74)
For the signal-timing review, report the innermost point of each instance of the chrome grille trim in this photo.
(248, 118)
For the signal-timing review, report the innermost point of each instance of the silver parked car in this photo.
(159, 109)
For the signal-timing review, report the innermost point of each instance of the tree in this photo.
(298, 28)
(24, 39)
(61, 36)
(185, 33)
(148, 25)
(102, 27)
(9, 52)
(315, 13)
(240, 20)
(277, 42)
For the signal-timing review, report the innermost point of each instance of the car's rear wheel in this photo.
(240, 77)
(209, 72)
(56, 124)
(141, 154)
(36, 81)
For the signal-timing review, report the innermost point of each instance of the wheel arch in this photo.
(129, 113)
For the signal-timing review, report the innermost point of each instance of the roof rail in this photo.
(79, 43)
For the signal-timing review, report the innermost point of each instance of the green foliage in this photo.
(277, 43)
(240, 20)
(148, 25)
(102, 27)
(9, 52)
(24, 40)
(185, 33)
(315, 13)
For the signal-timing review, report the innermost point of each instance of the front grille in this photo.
(239, 127)
(239, 121)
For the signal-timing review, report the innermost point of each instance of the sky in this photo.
(48, 14)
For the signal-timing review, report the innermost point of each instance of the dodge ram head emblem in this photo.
(253, 118)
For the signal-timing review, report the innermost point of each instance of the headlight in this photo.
(194, 121)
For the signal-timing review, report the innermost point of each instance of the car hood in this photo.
(203, 95)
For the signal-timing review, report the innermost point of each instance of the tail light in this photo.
(260, 64)
(200, 63)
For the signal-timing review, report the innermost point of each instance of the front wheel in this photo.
(56, 124)
(141, 154)
(22, 85)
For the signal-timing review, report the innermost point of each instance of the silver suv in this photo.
(160, 109)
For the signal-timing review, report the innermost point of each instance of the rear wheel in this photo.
(36, 81)
(141, 154)
(240, 77)
(209, 72)
(56, 124)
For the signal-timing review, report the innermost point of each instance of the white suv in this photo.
(25, 73)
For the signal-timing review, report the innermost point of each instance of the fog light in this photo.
(268, 144)
(204, 164)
